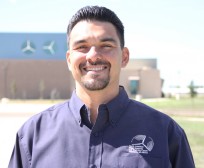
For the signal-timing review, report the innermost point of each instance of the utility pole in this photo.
(5, 71)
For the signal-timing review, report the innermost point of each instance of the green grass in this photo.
(165, 103)
(195, 133)
(192, 121)
(173, 104)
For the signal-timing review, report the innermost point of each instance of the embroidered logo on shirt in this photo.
(141, 144)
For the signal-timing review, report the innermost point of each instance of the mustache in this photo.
(97, 62)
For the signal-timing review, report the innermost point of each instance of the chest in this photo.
(112, 146)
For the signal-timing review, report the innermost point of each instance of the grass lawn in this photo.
(189, 104)
(195, 132)
(189, 113)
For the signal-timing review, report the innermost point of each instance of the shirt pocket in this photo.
(139, 161)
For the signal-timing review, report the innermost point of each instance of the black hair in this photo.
(98, 13)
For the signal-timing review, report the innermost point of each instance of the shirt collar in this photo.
(116, 107)
(76, 105)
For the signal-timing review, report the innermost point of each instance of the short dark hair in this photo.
(98, 13)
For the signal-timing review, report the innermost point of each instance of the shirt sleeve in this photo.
(180, 152)
(19, 158)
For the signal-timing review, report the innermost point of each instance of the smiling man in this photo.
(100, 127)
(95, 59)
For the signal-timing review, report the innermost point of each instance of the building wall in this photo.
(33, 46)
(25, 78)
(149, 82)
(142, 64)
(33, 79)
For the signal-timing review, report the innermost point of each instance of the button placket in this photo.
(93, 166)
(96, 134)
(95, 149)
(96, 138)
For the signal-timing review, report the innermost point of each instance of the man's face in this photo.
(95, 57)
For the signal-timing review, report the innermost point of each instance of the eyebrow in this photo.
(79, 42)
(107, 39)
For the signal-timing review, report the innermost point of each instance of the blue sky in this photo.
(170, 30)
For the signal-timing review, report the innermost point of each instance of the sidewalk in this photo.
(11, 108)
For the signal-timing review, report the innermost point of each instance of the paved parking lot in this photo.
(12, 116)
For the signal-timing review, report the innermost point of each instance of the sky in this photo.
(172, 31)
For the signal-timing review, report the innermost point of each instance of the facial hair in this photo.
(95, 82)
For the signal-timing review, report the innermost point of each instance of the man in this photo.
(100, 127)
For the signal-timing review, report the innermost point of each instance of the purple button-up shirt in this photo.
(127, 134)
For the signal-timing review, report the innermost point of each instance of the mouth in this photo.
(95, 68)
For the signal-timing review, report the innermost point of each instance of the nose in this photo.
(92, 55)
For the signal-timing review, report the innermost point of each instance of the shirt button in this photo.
(96, 134)
(113, 122)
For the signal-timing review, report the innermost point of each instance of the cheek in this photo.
(115, 67)
(75, 67)
(116, 64)
(116, 61)
(75, 62)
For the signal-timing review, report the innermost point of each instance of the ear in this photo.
(68, 59)
(125, 57)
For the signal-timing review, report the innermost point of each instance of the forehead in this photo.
(93, 29)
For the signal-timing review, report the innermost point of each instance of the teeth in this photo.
(94, 68)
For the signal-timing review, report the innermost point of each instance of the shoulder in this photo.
(153, 116)
(145, 110)
(44, 119)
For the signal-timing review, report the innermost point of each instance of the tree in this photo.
(192, 89)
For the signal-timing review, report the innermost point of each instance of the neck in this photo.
(92, 99)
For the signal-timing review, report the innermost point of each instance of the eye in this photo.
(81, 48)
(107, 46)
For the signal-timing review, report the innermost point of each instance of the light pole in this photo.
(5, 69)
